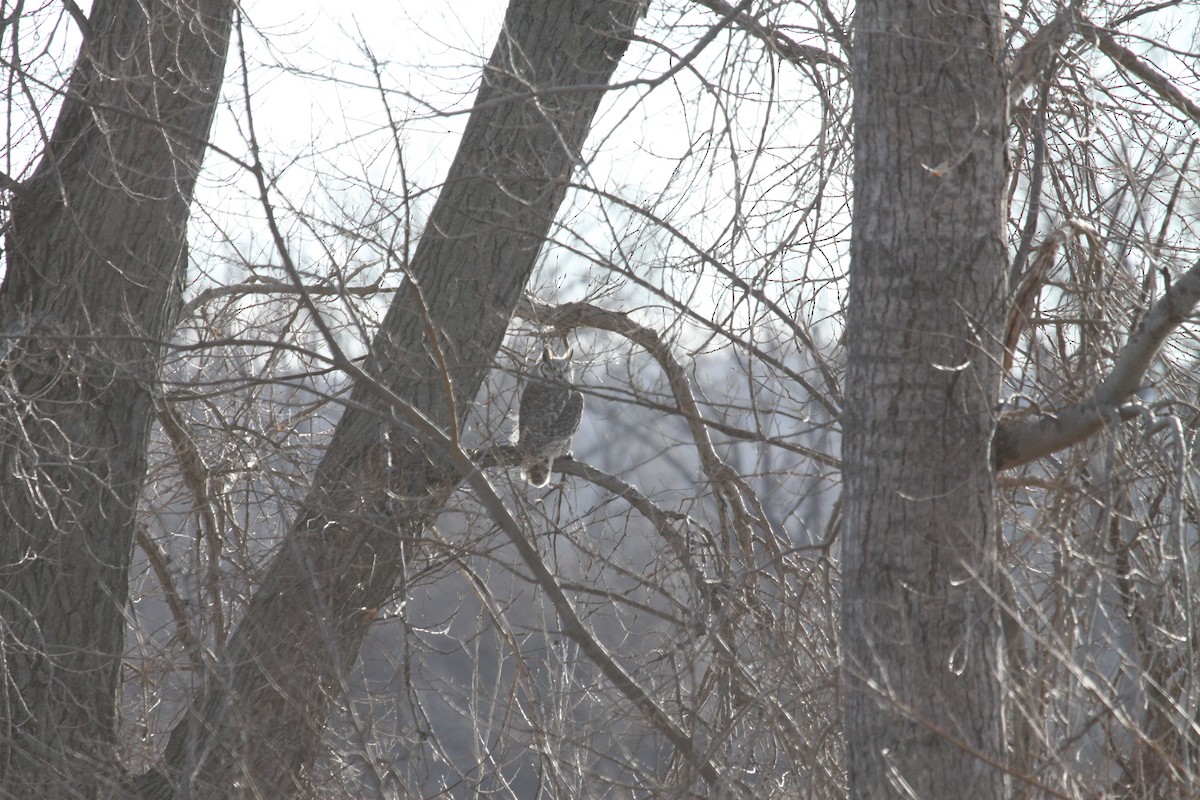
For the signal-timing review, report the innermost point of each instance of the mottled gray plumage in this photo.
(551, 408)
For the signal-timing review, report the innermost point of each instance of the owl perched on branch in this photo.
(551, 408)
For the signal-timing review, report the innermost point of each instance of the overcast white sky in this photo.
(315, 101)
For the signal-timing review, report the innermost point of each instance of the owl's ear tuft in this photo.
(567, 355)
(546, 354)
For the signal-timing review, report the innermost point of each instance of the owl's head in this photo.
(556, 369)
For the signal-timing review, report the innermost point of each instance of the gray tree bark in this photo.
(260, 718)
(95, 259)
(923, 665)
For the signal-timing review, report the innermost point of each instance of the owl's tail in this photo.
(538, 472)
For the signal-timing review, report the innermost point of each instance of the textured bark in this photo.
(95, 255)
(923, 665)
(259, 720)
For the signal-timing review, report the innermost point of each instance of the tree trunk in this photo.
(261, 717)
(923, 663)
(95, 259)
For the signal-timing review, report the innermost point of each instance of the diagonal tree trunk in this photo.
(259, 720)
(95, 260)
(923, 668)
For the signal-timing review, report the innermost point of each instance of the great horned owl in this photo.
(551, 408)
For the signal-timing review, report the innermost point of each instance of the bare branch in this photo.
(791, 51)
(160, 562)
(413, 421)
(1021, 440)
(80, 18)
(207, 489)
(670, 526)
(730, 487)
(576, 315)
(1032, 59)
(1034, 279)
(1157, 82)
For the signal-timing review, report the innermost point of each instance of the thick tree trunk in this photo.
(95, 256)
(261, 716)
(923, 662)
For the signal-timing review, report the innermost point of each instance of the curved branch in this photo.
(832, 398)
(1156, 81)
(1030, 62)
(1035, 278)
(257, 720)
(205, 488)
(712, 594)
(1019, 441)
(731, 490)
(412, 421)
(671, 526)
(587, 315)
(788, 49)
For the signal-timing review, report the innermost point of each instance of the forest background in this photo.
(884, 317)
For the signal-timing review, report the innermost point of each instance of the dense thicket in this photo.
(262, 532)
